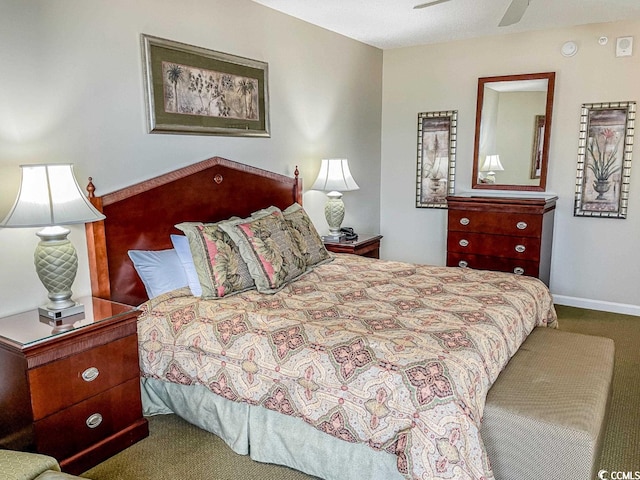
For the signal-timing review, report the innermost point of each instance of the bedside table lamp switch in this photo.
(334, 178)
(49, 197)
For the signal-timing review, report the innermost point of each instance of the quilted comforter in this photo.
(394, 355)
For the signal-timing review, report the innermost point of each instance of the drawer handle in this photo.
(520, 248)
(94, 420)
(521, 225)
(463, 264)
(464, 221)
(518, 270)
(90, 374)
(463, 243)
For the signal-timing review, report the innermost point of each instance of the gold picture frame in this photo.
(604, 159)
(437, 135)
(195, 90)
(537, 150)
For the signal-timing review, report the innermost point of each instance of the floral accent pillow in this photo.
(306, 236)
(268, 248)
(219, 265)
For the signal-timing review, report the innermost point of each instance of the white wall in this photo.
(72, 91)
(596, 262)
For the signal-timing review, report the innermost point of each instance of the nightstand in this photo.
(71, 387)
(367, 245)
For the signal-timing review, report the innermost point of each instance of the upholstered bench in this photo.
(16, 465)
(551, 403)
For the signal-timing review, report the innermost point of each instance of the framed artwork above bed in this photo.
(199, 91)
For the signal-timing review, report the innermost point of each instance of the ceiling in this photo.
(395, 23)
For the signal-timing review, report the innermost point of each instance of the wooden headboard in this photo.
(142, 216)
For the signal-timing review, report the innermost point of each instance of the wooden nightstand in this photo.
(75, 394)
(367, 245)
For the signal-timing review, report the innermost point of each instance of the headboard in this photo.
(142, 216)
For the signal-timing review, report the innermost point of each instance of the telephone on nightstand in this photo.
(349, 233)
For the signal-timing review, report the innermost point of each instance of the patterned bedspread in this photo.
(394, 355)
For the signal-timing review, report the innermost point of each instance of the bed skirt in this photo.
(268, 436)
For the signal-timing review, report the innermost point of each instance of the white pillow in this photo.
(160, 270)
(181, 244)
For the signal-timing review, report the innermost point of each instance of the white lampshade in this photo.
(49, 195)
(335, 176)
(492, 164)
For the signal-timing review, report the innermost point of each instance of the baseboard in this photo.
(597, 305)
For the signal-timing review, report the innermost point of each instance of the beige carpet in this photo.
(176, 450)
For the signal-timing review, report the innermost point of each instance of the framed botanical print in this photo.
(604, 159)
(199, 91)
(437, 132)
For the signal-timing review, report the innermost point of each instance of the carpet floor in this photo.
(177, 450)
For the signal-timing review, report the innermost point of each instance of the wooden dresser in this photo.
(507, 234)
(71, 387)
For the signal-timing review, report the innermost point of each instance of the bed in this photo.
(346, 368)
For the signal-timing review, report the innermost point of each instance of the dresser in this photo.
(507, 234)
(71, 387)
(366, 245)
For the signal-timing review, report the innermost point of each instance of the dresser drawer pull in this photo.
(463, 243)
(520, 248)
(464, 221)
(518, 271)
(94, 420)
(521, 225)
(463, 264)
(90, 374)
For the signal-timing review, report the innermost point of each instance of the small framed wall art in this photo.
(604, 159)
(199, 91)
(437, 132)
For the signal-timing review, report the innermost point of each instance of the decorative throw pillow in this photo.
(217, 260)
(159, 270)
(306, 236)
(181, 245)
(268, 248)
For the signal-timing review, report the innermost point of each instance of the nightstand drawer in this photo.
(67, 381)
(524, 248)
(87, 423)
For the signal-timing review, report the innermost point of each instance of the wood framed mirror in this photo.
(513, 128)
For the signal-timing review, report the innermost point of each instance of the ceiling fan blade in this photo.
(514, 12)
(429, 4)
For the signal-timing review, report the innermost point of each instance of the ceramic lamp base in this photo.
(334, 212)
(56, 264)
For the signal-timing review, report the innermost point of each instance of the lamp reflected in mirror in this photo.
(489, 167)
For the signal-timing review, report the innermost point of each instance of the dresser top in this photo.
(29, 328)
(504, 203)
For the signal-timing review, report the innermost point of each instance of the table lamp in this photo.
(334, 177)
(49, 197)
(491, 165)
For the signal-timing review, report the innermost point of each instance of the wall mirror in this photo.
(513, 127)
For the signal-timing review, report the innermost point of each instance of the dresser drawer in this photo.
(518, 224)
(68, 432)
(524, 248)
(500, 264)
(67, 381)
